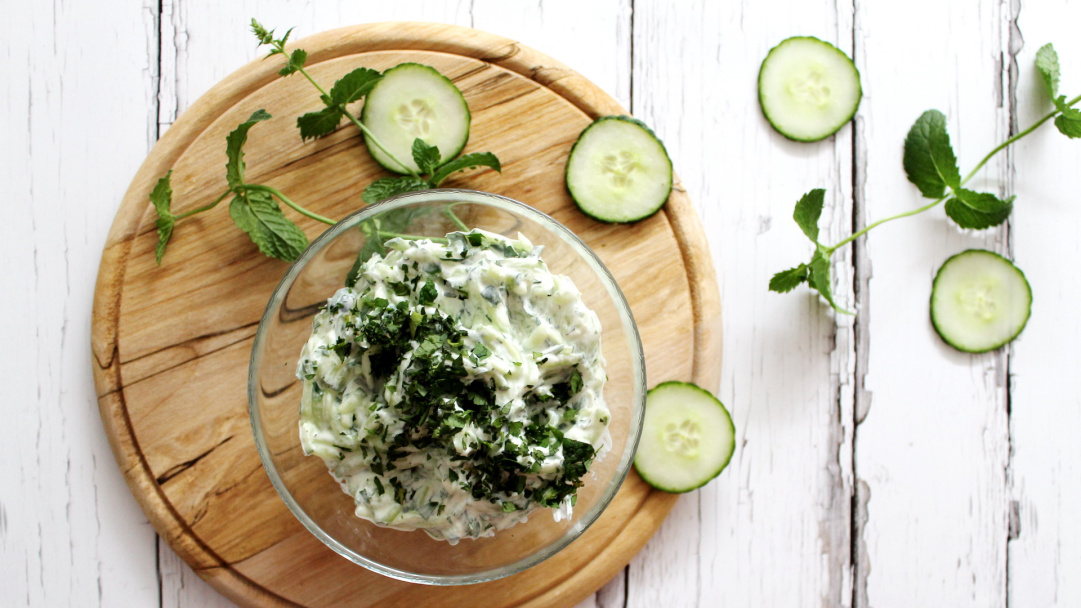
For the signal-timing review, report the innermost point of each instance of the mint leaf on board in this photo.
(162, 199)
(929, 160)
(386, 187)
(256, 212)
(1047, 66)
(978, 210)
(296, 61)
(467, 161)
(808, 210)
(319, 123)
(425, 156)
(234, 148)
(353, 86)
(787, 280)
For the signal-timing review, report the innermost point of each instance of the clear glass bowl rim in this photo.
(513, 206)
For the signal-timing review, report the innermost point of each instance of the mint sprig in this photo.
(253, 206)
(1068, 122)
(428, 159)
(930, 163)
(349, 88)
(816, 273)
(353, 87)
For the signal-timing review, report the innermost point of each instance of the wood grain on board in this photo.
(171, 343)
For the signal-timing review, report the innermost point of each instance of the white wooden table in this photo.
(875, 466)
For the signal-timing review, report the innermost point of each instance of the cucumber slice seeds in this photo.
(415, 101)
(808, 89)
(618, 171)
(687, 438)
(980, 301)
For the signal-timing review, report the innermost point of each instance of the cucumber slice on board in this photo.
(414, 100)
(618, 171)
(979, 301)
(808, 88)
(687, 438)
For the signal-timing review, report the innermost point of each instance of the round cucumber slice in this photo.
(979, 301)
(808, 88)
(687, 438)
(618, 171)
(415, 101)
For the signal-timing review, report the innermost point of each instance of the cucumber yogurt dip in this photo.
(457, 387)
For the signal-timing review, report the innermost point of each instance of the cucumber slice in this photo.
(687, 438)
(618, 171)
(414, 100)
(808, 88)
(979, 301)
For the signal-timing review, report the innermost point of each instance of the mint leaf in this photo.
(808, 210)
(354, 85)
(1069, 121)
(234, 148)
(468, 161)
(296, 61)
(787, 280)
(929, 159)
(165, 232)
(319, 124)
(386, 187)
(426, 156)
(284, 38)
(1047, 66)
(162, 199)
(1070, 127)
(819, 279)
(978, 210)
(257, 213)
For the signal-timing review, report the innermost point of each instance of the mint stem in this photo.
(371, 136)
(449, 212)
(866, 229)
(285, 199)
(378, 144)
(971, 174)
(202, 209)
(1011, 140)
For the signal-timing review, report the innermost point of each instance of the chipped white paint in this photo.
(773, 530)
(933, 448)
(875, 467)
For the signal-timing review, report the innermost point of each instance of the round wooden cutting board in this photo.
(171, 343)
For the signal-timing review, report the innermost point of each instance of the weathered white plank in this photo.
(1045, 409)
(76, 115)
(773, 530)
(932, 450)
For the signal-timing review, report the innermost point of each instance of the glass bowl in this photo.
(304, 483)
